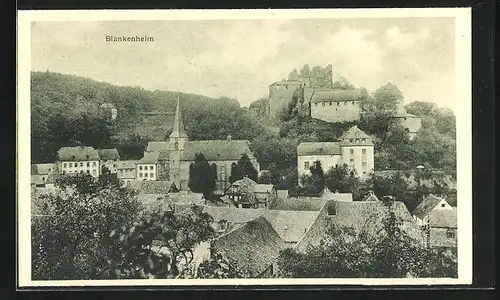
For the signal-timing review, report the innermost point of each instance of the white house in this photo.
(430, 204)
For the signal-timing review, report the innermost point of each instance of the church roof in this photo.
(156, 146)
(80, 153)
(319, 148)
(336, 95)
(216, 150)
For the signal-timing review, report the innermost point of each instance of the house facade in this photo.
(126, 171)
(246, 193)
(442, 229)
(80, 159)
(354, 148)
(429, 204)
(336, 105)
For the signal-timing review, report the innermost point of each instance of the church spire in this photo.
(178, 131)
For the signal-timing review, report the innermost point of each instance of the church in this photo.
(171, 160)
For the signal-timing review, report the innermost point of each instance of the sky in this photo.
(241, 58)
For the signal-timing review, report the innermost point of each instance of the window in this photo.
(443, 205)
(450, 234)
(338, 103)
(351, 151)
(140, 174)
(363, 140)
(363, 150)
(330, 103)
(176, 146)
(357, 141)
(64, 165)
(94, 164)
(140, 167)
(363, 164)
(323, 103)
(81, 164)
(316, 104)
(151, 175)
(88, 164)
(151, 167)
(114, 165)
(88, 171)
(306, 165)
(352, 102)
(145, 174)
(350, 140)
(352, 160)
(70, 165)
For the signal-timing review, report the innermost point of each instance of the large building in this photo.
(171, 160)
(80, 159)
(336, 105)
(354, 148)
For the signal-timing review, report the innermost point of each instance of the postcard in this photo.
(271, 147)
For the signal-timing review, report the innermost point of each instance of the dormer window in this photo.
(443, 205)
(351, 140)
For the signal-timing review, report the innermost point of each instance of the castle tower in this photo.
(177, 144)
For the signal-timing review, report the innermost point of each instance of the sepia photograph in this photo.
(268, 147)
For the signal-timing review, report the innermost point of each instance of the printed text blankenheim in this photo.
(123, 38)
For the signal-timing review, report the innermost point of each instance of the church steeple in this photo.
(178, 131)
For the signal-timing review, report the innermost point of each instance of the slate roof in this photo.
(319, 148)
(233, 214)
(443, 218)
(329, 195)
(299, 204)
(156, 146)
(149, 158)
(126, 164)
(368, 216)
(336, 95)
(290, 225)
(152, 186)
(216, 150)
(253, 246)
(82, 153)
(43, 169)
(355, 132)
(426, 206)
(108, 154)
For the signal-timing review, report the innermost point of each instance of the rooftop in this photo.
(80, 153)
(108, 154)
(443, 218)
(427, 204)
(318, 148)
(152, 186)
(254, 246)
(216, 150)
(336, 95)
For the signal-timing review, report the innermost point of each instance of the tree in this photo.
(294, 75)
(244, 168)
(342, 83)
(315, 183)
(388, 98)
(216, 267)
(136, 255)
(339, 178)
(68, 237)
(305, 72)
(201, 176)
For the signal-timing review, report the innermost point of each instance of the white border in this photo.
(463, 113)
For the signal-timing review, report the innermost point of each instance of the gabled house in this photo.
(253, 246)
(429, 204)
(246, 193)
(442, 231)
(126, 171)
(80, 159)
